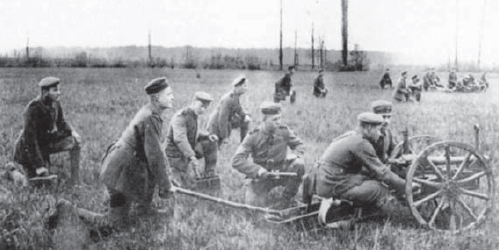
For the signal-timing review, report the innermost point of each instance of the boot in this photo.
(392, 208)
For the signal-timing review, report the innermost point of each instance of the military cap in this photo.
(156, 85)
(49, 82)
(414, 77)
(203, 97)
(382, 107)
(270, 108)
(239, 81)
(370, 118)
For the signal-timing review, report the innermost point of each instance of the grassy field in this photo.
(99, 103)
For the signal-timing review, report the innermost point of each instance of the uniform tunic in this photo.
(220, 121)
(319, 86)
(341, 164)
(385, 145)
(263, 146)
(43, 124)
(136, 162)
(401, 92)
(282, 87)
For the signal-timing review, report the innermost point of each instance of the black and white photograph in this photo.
(231, 124)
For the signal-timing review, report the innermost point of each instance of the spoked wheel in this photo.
(416, 145)
(457, 189)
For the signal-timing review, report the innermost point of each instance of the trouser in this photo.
(182, 174)
(238, 122)
(257, 190)
(68, 143)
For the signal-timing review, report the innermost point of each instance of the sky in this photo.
(423, 29)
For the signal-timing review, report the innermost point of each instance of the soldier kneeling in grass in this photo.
(268, 146)
(350, 170)
(134, 164)
(46, 132)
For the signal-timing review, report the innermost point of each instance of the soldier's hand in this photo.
(164, 193)
(247, 118)
(213, 138)
(193, 166)
(76, 136)
(265, 175)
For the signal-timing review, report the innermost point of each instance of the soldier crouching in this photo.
(268, 146)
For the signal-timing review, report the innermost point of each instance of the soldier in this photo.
(319, 89)
(452, 80)
(185, 144)
(385, 79)
(401, 91)
(385, 143)
(268, 146)
(427, 79)
(283, 87)
(339, 171)
(229, 114)
(135, 164)
(46, 132)
(416, 88)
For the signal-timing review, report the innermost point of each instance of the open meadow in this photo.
(99, 103)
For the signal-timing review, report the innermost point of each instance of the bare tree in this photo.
(296, 52)
(280, 43)
(313, 50)
(456, 35)
(482, 24)
(151, 64)
(344, 31)
(27, 48)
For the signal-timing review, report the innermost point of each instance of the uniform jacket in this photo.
(219, 122)
(263, 146)
(43, 123)
(400, 90)
(183, 134)
(385, 145)
(283, 85)
(385, 79)
(135, 163)
(318, 85)
(341, 164)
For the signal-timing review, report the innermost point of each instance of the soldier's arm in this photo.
(223, 118)
(31, 140)
(61, 122)
(295, 143)
(240, 159)
(156, 158)
(179, 128)
(366, 154)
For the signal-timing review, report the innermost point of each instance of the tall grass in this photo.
(99, 103)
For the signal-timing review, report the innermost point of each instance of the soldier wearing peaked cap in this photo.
(385, 143)
(268, 145)
(416, 88)
(320, 89)
(339, 172)
(134, 165)
(186, 144)
(229, 113)
(46, 132)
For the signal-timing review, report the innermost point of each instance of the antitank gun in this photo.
(456, 188)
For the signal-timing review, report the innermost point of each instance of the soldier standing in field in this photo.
(185, 144)
(283, 87)
(135, 164)
(340, 170)
(46, 132)
(320, 89)
(385, 79)
(229, 115)
(402, 91)
(385, 143)
(268, 147)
